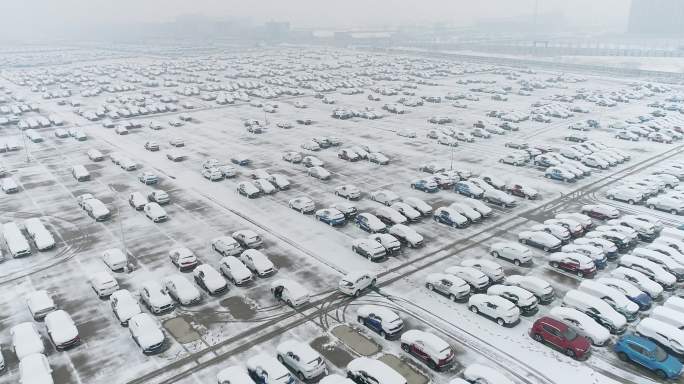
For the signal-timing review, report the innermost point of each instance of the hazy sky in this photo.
(21, 17)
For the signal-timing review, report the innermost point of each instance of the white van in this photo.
(15, 240)
(613, 297)
(597, 309)
(667, 336)
(80, 173)
(41, 237)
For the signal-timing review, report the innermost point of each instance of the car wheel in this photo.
(580, 274)
(630, 201)
(474, 309)
(651, 206)
(301, 377)
(554, 264)
(661, 374)
(500, 321)
(546, 249)
(405, 347)
(452, 297)
(538, 337)
(280, 358)
(570, 353)
(357, 293)
(429, 287)
(289, 302)
(373, 282)
(674, 212)
(516, 262)
(360, 320)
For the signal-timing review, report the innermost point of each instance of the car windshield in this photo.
(570, 334)
(660, 354)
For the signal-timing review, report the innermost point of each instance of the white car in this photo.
(407, 211)
(390, 216)
(319, 173)
(556, 230)
(666, 203)
(301, 359)
(353, 283)
(235, 270)
(103, 284)
(226, 246)
(482, 374)
(248, 238)
(368, 370)
(35, 369)
(258, 263)
(209, 279)
(600, 211)
(639, 280)
(183, 258)
(124, 305)
(265, 369)
(155, 212)
(384, 196)
(302, 204)
(61, 329)
(448, 285)
(348, 191)
(115, 259)
(504, 312)
(421, 206)
(540, 239)
(522, 298)
(406, 235)
(39, 304)
(290, 292)
(477, 205)
(477, 280)
(391, 243)
(234, 375)
(583, 324)
(583, 219)
(265, 186)
(370, 249)
(370, 223)
(654, 271)
(26, 340)
(155, 297)
(494, 271)
(516, 253)
(147, 333)
(539, 287)
(280, 181)
(627, 195)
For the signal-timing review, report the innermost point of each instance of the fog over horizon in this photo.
(35, 19)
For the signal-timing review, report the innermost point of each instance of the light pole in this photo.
(121, 231)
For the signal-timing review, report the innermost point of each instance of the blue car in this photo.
(647, 354)
(469, 189)
(643, 300)
(425, 185)
(331, 216)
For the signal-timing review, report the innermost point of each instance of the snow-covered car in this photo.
(539, 287)
(225, 246)
(638, 279)
(477, 280)
(380, 319)
(248, 238)
(390, 216)
(427, 347)
(235, 270)
(627, 195)
(158, 196)
(448, 285)
(504, 312)
(103, 284)
(575, 263)
(406, 235)
(209, 279)
(181, 290)
(524, 299)
(155, 298)
(516, 253)
(61, 329)
(369, 223)
(302, 204)
(450, 217)
(114, 259)
(540, 239)
(212, 174)
(582, 324)
(265, 186)
(421, 206)
(331, 216)
(246, 188)
(556, 230)
(183, 258)
(301, 359)
(384, 196)
(137, 200)
(290, 292)
(124, 305)
(35, 369)
(26, 340)
(348, 191)
(234, 375)
(493, 270)
(407, 211)
(258, 263)
(265, 369)
(147, 333)
(39, 304)
(279, 181)
(365, 370)
(666, 203)
(370, 249)
(654, 271)
(353, 283)
(155, 212)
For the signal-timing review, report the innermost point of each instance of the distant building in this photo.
(276, 30)
(657, 17)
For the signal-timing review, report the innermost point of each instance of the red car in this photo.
(522, 191)
(561, 336)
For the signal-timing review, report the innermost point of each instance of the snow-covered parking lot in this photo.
(241, 115)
